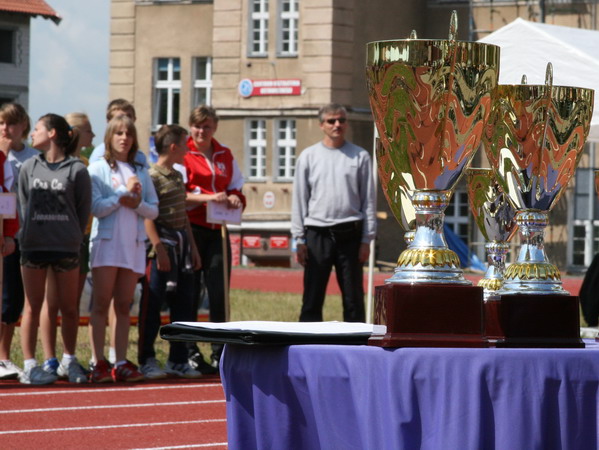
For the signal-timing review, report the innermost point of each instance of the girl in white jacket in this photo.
(123, 196)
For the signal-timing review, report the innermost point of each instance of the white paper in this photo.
(8, 205)
(292, 327)
(219, 213)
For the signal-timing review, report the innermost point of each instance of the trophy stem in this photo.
(532, 273)
(493, 279)
(428, 259)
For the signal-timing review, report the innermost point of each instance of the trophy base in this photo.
(533, 321)
(429, 315)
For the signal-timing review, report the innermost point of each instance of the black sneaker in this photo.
(197, 362)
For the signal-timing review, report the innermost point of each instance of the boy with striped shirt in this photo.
(173, 259)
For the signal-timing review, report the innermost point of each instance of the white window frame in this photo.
(588, 223)
(202, 83)
(285, 148)
(260, 17)
(170, 85)
(292, 19)
(256, 149)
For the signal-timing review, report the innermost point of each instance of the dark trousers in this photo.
(333, 247)
(180, 303)
(13, 296)
(210, 247)
(589, 294)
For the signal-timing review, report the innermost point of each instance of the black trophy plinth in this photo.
(533, 321)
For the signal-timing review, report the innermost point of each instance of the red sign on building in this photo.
(251, 242)
(255, 88)
(279, 242)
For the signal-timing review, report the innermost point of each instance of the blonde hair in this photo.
(13, 113)
(201, 113)
(111, 130)
(77, 119)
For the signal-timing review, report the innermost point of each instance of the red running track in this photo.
(149, 415)
(291, 280)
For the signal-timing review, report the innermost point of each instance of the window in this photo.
(288, 21)
(258, 40)
(257, 149)
(202, 81)
(457, 213)
(167, 91)
(585, 227)
(7, 46)
(286, 143)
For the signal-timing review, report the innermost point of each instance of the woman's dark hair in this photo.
(66, 137)
(111, 129)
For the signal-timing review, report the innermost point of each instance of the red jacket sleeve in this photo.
(10, 226)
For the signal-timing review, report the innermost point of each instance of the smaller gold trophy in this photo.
(494, 216)
(534, 141)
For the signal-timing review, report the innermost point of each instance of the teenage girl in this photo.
(55, 196)
(80, 123)
(123, 195)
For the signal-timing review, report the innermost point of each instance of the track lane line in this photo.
(214, 444)
(96, 407)
(100, 390)
(104, 427)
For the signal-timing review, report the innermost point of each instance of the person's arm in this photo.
(105, 199)
(83, 197)
(196, 260)
(368, 207)
(193, 199)
(235, 197)
(148, 207)
(162, 259)
(299, 210)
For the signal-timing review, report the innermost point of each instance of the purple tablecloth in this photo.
(360, 397)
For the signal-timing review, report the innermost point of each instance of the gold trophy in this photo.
(397, 195)
(430, 100)
(495, 218)
(534, 142)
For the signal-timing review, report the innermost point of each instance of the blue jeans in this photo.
(180, 303)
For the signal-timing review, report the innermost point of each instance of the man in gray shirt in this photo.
(333, 217)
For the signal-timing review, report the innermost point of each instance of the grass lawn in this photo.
(245, 305)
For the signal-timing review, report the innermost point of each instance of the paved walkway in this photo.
(290, 280)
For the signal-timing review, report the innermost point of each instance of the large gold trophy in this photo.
(534, 142)
(430, 100)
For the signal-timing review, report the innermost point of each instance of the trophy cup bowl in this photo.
(430, 100)
(495, 217)
(534, 141)
(397, 195)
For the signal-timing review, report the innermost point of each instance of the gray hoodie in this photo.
(55, 202)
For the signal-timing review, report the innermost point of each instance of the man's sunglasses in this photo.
(332, 121)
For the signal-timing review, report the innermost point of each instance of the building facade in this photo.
(267, 66)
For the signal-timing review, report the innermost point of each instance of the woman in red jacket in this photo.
(212, 176)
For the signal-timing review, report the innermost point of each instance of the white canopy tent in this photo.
(527, 47)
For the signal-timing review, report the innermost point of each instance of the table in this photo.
(361, 397)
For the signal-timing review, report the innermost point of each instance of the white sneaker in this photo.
(183, 370)
(36, 375)
(151, 370)
(9, 370)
